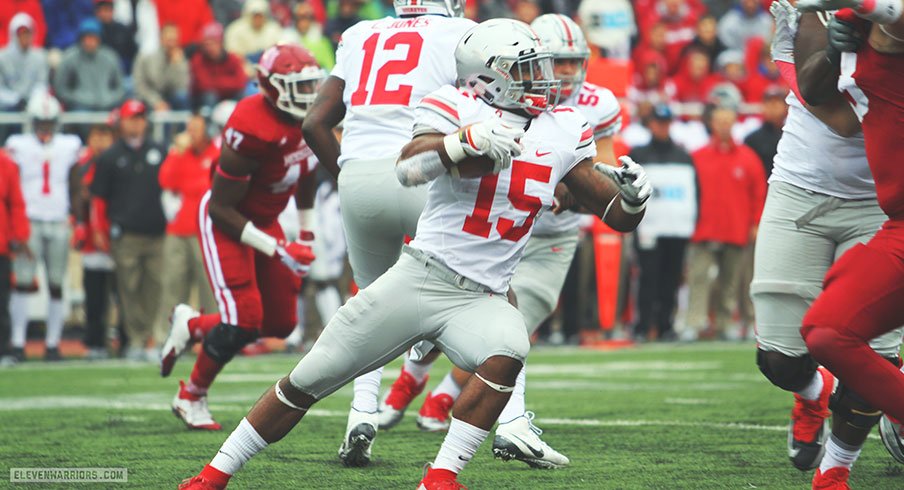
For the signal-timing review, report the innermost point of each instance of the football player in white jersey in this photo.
(383, 69)
(821, 203)
(492, 154)
(538, 278)
(45, 158)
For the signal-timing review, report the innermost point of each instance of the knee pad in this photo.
(224, 341)
(855, 411)
(788, 373)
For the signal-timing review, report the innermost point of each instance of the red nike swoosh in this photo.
(542, 154)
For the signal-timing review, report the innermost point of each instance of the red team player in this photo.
(255, 276)
(865, 288)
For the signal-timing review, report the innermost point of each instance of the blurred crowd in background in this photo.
(695, 77)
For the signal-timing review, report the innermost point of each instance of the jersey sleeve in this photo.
(609, 111)
(439, 112)
(572, 123)
(246, 135)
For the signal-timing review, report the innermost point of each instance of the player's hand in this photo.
(787, 19)
(824, 5)
(296, 256)
(562, 199)
(631, 180)
(494, 139)
(79, 236)
(843, 38)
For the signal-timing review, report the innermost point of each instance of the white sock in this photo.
(54, 323)
(448, 386)
(839, 454)
(813, 389)
(242, 444)
(515, 406)
(418, 371)
(328, 303)
(459, 446)
(367, 390)
(18, 312)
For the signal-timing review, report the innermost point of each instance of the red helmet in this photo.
(288, 76)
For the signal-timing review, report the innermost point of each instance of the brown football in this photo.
(475, 167)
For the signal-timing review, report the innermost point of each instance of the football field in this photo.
(660, 416)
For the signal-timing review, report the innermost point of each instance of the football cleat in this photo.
(439, 480)
(52, 354)
(892, 437)
(434, 413)
(192, 409)
(520, 439)
(199, 483)
(179, 337)
(834, 479)
(809, 427)
(360, 433)
(404, 389)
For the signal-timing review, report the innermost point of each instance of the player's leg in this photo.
(368, 331)
(791, 259)
(25, 272)
(671, 271)
(494, 354)
(860, 301)
(537, 282)
(700, 259)
(56, 259)
(409, 385)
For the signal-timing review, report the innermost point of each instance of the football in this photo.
(475, 167)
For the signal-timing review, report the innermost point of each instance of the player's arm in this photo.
(305, 195)
(617, 195)
(230, 185)
(817, 64)
(325, 114)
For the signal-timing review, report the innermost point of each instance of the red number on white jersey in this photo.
(477, 223)
(45, 188)
(380, 96)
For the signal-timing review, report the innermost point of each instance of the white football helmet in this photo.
(220, 114)
(504, 63)
(448, 8)
(564, 38)
(43, 107)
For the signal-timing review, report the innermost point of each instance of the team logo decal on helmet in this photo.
(448, 8)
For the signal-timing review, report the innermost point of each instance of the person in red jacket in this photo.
(14, 231)
(694, 80)
(184, 178)
(9, 8)
(732, 186)
(190, 15)
(216, 73)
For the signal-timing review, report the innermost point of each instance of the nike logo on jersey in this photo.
(543, 154)
(537, 452)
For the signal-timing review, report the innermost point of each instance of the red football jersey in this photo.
(872, 83)
(258, 131)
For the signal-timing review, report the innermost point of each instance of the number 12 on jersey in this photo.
(380, 95)
(478, 223)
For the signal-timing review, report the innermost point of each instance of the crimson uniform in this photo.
(255, 292)
(864, 290)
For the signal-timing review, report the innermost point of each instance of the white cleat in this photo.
(192, 409)
(520, 439)
(360, 433)
(892, 438)
(179, 337)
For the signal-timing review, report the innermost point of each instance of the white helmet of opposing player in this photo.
(564, 38)
(504, 63)
(43, 107)
(219, 116)
(448, 8)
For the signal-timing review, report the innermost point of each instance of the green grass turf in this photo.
(660, 416)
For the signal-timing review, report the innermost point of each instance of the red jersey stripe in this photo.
(441, 105)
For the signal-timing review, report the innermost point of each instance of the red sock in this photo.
(215, 476)
(205, 370)
(199, 326)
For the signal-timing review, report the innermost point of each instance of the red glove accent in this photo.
(300, 252)
(296, 256)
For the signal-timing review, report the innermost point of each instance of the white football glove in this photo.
(787, 19)
(494, 139)
(632, 182)
(824, 5)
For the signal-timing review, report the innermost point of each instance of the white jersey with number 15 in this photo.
(388, 66)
